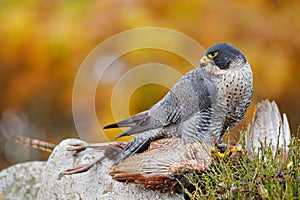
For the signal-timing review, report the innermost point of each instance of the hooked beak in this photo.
(204, 61)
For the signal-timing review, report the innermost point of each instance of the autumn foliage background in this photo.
(43, 44)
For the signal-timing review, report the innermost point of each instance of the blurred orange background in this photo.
(43, 44)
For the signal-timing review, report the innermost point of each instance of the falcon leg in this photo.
(111, 150)
(81, 168)
(220, 145)
(81, 146)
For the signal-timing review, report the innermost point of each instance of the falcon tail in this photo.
(139, 123)
(129, 122)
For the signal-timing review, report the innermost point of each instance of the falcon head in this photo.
(223, 56)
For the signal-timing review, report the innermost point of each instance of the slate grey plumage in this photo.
(202, 105)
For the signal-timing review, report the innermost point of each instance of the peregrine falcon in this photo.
(202, 105)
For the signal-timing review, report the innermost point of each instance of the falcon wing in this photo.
(192, 93)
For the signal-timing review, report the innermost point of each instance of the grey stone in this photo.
(21, 181)
(41, 180)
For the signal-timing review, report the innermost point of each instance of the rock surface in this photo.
(41, 180)
(21, 181)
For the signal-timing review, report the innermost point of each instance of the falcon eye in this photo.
(213, 54)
